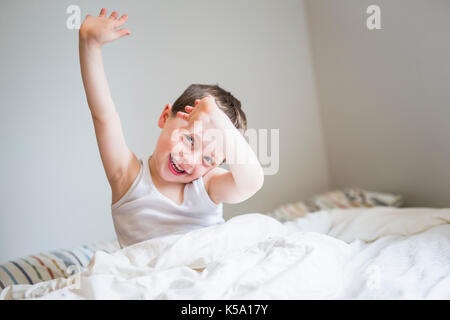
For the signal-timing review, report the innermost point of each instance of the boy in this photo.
(180, 186)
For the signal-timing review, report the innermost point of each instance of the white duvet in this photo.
(376, 253)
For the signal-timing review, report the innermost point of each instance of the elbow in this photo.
(260, 180)
(248, 190)
(251, 186)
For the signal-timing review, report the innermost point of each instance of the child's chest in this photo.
(174, 195)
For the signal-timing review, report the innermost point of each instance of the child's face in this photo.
(175, 150)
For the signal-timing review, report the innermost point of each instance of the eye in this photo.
(209, 160)
(189, 138)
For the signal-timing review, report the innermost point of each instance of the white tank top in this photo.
(144, 213)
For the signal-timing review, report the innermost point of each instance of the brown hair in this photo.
(224, 100)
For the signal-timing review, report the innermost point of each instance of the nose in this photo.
(188, 159)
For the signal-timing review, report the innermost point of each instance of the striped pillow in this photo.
(338, 199)
(50, 265)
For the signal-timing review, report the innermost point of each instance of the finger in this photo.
(207, 97)
(188, 109)
(197, 101)
(113, 15)
(183, 115)
(123, 32)
(102, 12)
(119, 22)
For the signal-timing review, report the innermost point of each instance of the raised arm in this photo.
(94, 32)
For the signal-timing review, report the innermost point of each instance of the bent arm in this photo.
(246, 176)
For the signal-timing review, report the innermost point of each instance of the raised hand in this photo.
(102, 29)
(204, 109)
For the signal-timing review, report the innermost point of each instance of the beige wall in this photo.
(384, 95)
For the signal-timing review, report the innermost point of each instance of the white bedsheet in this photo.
(376, 253)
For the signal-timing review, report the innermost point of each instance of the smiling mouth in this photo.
(174, 168)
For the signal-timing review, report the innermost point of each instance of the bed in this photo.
(349, 244)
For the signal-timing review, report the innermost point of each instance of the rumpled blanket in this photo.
(361, 253)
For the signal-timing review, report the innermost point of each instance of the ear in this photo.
(167, 112)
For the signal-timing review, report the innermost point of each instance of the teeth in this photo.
(176, 167)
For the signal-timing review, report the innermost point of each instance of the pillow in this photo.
(59, 263)
(338, 199)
